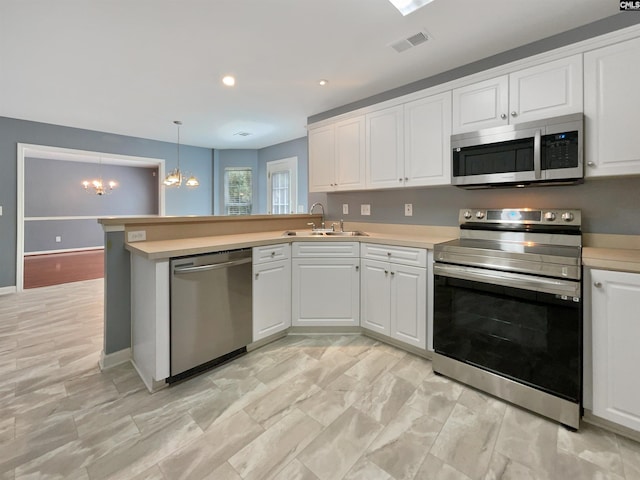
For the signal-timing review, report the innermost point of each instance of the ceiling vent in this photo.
(410, 42)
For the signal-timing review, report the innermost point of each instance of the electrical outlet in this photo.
(365, 209)
(137, 236)
(58, 239)
(345, 209)
(408, 209)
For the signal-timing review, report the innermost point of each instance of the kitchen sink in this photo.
(354, 233)
(315, 233)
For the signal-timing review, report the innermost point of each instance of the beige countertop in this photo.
(622, 259)
(164, 249)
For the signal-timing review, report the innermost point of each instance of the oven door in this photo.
(522, 327)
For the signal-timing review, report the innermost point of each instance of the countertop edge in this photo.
(165, 249)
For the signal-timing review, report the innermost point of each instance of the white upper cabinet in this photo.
(385, 148)
(612, 98)
(427, 137)
(547, 90)
(336, 156)
(481, 105)
(408, 145)
(350, 151)
(322, 159)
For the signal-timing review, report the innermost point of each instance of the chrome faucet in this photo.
(311, 212)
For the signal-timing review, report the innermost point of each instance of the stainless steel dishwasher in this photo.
(211, 310)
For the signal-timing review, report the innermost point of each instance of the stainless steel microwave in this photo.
(540, 152)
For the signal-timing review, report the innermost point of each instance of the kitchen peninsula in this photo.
(162, 238)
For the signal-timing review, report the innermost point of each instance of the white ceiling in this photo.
(132, 67)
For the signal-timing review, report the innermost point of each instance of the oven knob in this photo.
(467, 214)
(550, 216)
(567, 216)
(480, 215)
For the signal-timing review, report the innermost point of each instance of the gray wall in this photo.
(12, 131)
(40, 236)
(293, 148)
(257, 160)
(608, 205)
(53, 189)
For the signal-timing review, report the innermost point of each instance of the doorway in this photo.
(58, 237)
(282, 186)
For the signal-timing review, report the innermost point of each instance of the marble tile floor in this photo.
(303, 407)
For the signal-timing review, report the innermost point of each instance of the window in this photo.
(238, 191)
(282, 186)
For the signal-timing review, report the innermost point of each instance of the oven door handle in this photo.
(508, 279)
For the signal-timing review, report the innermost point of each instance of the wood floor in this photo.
(324, 407)
(58, 268)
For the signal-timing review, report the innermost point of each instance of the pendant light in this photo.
(174, 177)
(98, 186)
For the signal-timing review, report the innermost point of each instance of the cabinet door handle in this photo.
(273, 254)
(400, 179)
(257, 274)
(357, 268)
(514, 114)
(393, 273)
(597, 284)
(503, 116)
(386, 272)
(591, 164)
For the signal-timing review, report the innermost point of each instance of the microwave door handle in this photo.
(537, 143)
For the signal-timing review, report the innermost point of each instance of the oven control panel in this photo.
(520, 216)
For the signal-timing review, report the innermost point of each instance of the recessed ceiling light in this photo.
(408, 6)
(229, 80)
(323, 82)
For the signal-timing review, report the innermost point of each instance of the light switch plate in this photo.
(137, 236)
(58, 239)
(408, 209)
(365, 209)
(345, 209)
(0, 211)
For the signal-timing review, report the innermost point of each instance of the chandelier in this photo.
(98, 186)
(175, 177)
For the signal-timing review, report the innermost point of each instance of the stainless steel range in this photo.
(508, 308)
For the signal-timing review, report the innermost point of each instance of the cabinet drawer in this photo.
(271, 253)
(416, 257)
(326, 249)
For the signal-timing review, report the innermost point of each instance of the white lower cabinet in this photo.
(394, 295)
(271, 290)
(325, 284)
(615, 300)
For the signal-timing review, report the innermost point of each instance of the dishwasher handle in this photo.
(213, 266)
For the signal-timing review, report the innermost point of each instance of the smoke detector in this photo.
(411, 41)
(242, 134)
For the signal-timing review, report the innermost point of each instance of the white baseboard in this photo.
(589, 417)
(110, 360)
(8, 290)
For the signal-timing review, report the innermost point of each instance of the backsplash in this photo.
(610, 205)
